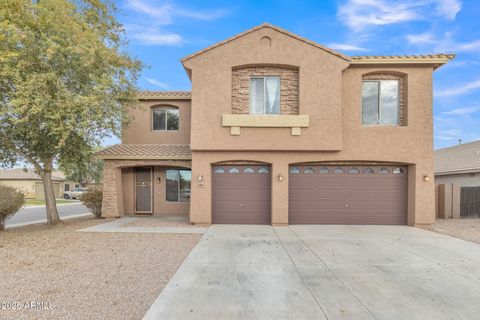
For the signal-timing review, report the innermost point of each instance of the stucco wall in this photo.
(331, 94)
(139, 131)
(320, 94)
(421, 205)
(464, 179)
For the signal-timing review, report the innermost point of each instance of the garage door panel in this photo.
(359, 195)
(243, 197)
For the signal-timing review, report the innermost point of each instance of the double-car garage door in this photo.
(317, 194)
(348, 195)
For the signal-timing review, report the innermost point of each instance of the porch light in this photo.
(159, 180)
(200, 178)
(426, 178)
(280, 177)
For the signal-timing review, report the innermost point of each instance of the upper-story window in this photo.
(265, 95)
(165, 118)
(382, 99)
(380, 102)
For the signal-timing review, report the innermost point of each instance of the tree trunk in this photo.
(51, 205)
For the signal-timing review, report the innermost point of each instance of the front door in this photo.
(143, 190)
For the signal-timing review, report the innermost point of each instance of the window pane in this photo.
(389, 102)
(185, 183)
(294, 170)
(158, 119)
(263, 170)
(370, 102)
(324, 170)
(256, 95)
(219, 170)
(172, 181)
(248, 170)
(172, 119)
(272, 88)
(233, 170)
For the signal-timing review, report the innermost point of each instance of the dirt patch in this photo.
(466, 229)
(86, 275)
(157, 222)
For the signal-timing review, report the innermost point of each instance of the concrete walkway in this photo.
(324, 272)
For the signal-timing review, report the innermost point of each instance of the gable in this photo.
(259, 28)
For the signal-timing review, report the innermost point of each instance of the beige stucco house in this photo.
(281, 130)
(459, 165)
(31, 184)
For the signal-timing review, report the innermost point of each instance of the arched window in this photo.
(324, 170)
(294, 170)
(353, 170)
(233, 170)
(398, 171)
(383, 170)
(165, 118)
(219, 170)
(263, 170)
(339, 170)
(368, 171)
(248, 170)
(308, 170)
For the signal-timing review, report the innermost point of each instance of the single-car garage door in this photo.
(241, 194)
(348, 195)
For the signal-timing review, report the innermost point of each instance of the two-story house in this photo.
(281, 130)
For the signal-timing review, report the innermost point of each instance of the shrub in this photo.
(92, 199)
(11, 200)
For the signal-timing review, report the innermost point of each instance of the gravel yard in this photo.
(466, 229)
(160, 221)
(86, 275)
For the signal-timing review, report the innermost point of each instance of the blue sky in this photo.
(160, 33)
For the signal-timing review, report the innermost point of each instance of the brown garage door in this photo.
(241, 194)
(348, 195)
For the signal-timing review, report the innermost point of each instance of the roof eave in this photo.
(108, 157)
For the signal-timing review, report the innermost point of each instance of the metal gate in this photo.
(470, 201)
(143, 190)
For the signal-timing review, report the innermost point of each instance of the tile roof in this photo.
(164, 95)
(27, 174)
(266, 25)
(146, 151)
(460, 158)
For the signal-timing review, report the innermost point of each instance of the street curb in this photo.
(58, 205)
(43, 221)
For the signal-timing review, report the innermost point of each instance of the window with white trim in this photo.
(265, 95)
(165, 119)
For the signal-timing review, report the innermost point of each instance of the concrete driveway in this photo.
(324, 272)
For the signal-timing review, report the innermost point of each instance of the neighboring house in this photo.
(281, 130)
(459, 164)
(31, 183)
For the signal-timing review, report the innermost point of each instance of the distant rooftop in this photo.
(461, 158)
(27, 174)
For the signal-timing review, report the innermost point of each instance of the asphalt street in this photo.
(37, 214)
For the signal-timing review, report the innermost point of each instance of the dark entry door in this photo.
(241, 194)
(143, 190)
(348, 194)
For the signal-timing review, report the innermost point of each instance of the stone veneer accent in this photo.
(289, 87)
(112, 203)
(402, 92)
